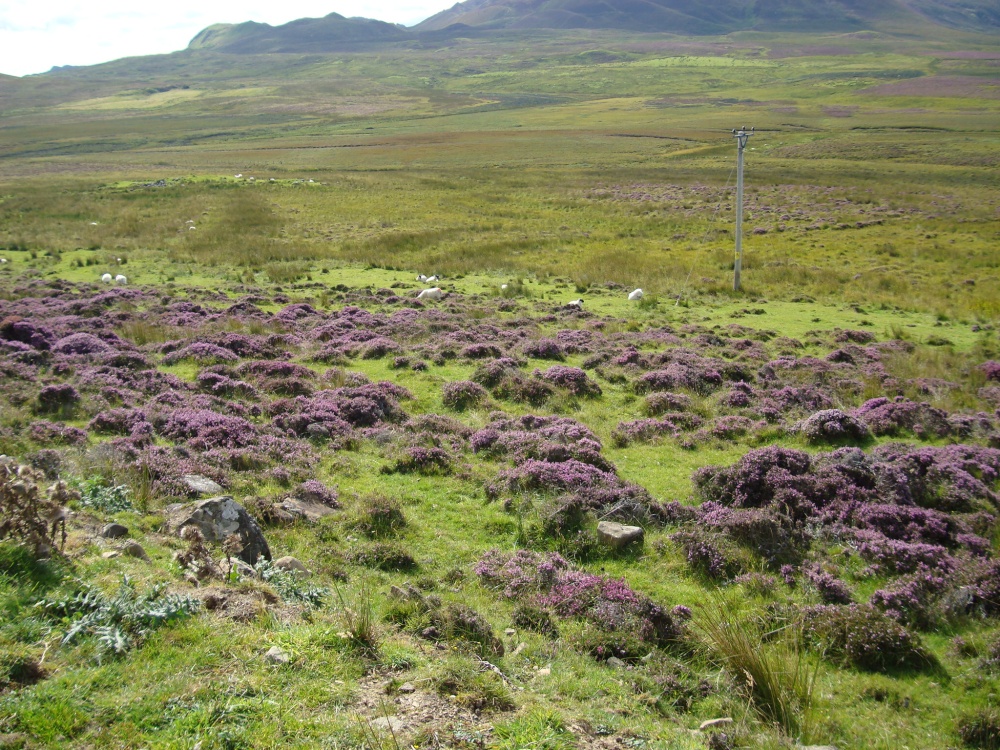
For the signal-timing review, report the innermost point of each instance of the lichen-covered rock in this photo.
(617, 535)
(218, 518)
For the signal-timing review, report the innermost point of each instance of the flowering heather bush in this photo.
(894, 556)
(544, 349)
(864, 638)
(572, 379)
(222, 385)
(854, 337)
(732, 426)
(492, 374)
(25, 332)
(679, 375)
(264, 370)
(117, 421)
(910, 600)
(463, 394)
(831, 589)
(753, 480)
(707, 554)
(204, 429)
(991, 369)
(201, 352)
(54, 433)
(62, 397)
(892, 417)
(547, 581)
(481, 351)
(314, 491)
(81, 344)
(250, 347)
(832, 426)
(662, 402)
(420, 460)
(544, 476)
(650, 430)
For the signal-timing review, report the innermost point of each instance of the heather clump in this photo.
(884, 416)
(544, 349)
(572, 379)
(832, 426)
(860, 636)
(201, 352)
(418, 459)
(58, 399)
(463, 394)
(661, 402)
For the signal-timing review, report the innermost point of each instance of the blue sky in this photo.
(36, 35)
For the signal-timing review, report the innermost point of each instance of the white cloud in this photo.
(33, 39)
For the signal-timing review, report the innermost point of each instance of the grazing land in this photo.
(814, 461)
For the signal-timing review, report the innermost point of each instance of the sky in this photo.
(36, 35)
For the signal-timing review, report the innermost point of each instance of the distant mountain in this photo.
(720, 16)
(306, 35)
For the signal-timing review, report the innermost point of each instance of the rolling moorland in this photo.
(814, 461)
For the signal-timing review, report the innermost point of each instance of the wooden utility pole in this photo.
(742, 136)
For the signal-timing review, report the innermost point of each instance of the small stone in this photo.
(407, 687)
(276, 655)
(291, 565)
(111, 554)
(715, 723)
(388, 724)
(200, 485)
(114, 531)
(617, 663)
(134, 549)
(616, 535)
(510, 632)
(544, 672)
(243, 570)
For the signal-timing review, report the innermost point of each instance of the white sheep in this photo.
(238, 176)
(3, 260)
(432, 293)
(432, 279)
(635, 295)
(503, 287)
(577, 303)
(421, 277)
(120, 279)
(106, 278)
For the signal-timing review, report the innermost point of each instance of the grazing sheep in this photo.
(120, 279)
(239, 176)
(634, 295)
(577, 303)
(421, 277)
(432, 293)
(3, 260)
(432, 279)
(106, 278)
(503, 286)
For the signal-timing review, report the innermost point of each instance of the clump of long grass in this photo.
(776, 677)
(360, 620)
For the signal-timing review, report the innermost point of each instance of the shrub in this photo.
(463, 394)
(864, 638)
(572, 379)
(472, 687)
(832, 426)
(29, 514)
(535, 618)
(383, 556)
(55, 399)
(379, 515)
(981, 729)
(420, 460)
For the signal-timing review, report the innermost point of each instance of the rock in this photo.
(431, 633)
(510, 632)
(243, 570)
(317, 431)
(305, 510)
(200, 485)
(114, 531)
(617, 663)
(388, 724)
(616, 535)
(711, 723)
(544, 672)
(276, 655)
(407, 687)
(134, 549)
(217, 518)
(292, 565)
(111, 554)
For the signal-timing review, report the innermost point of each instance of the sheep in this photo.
(432, 293)
(577, 303)
(3, 260)
(106, 278)
(238, 176)
(120, 279)
(421, 277)
(635, 295)
(503, 287)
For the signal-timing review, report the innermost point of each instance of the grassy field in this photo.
(528, 171)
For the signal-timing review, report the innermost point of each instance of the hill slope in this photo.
(328, 34)
(723, 16)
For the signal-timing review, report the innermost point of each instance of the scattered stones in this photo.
(217, 518)
(388, 724)
(114, 531)
(616, 535)
(291, 565)
(712, 723)
(134, 549)
(200, 485)
(276, 655)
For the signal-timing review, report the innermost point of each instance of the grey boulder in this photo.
(218, 518)
(616, 535)
(200, 485)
